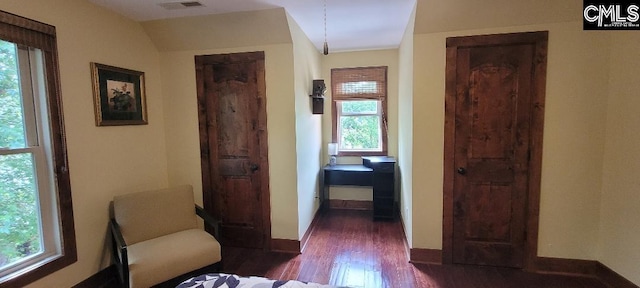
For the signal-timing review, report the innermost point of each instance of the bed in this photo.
(221, 280)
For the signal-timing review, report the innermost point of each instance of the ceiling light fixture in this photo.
(326, 46)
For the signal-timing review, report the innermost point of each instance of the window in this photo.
(36, 220)
(359, 98)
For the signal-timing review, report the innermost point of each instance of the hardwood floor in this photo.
(347, 248)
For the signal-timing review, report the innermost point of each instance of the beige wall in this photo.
(307, 67)
(573, 138)
(588, 198)
(230, 30)
(405, 128)
(589, 201)
(183, 146)
(179, 87)
(103, 161)
(620, 209)
(459, 15)
(389, 58)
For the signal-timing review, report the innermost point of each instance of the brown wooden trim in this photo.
(611, 278)
(407, 249)
(384, 152)
(310, 229)
(264, 148)
(429, 256)
(385, 118)
(26, 23)
(449, 153)
(536, 128)
(565, 266)
(495, 39)
(286, 246)
(350, 204)
(107, 277)
(36, 34)
(577, 267)
(535, 144)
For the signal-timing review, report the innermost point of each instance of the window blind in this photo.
(359, 83)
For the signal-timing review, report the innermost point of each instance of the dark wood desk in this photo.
(348, 175)
(376, 172)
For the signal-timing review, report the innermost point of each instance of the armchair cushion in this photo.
(150, 214)
(147, 267)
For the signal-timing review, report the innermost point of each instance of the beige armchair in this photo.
(157, 240)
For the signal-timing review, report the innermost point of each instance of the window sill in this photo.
(37, 271)
(362, 153)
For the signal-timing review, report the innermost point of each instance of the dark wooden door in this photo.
(494, 86)
(233, 143)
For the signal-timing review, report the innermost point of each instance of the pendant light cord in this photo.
(326, 46)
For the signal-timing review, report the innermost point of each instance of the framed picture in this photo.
(119, 96)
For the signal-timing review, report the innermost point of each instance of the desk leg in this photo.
(325, 194)
(324, 204)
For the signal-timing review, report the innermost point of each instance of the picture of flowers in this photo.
(119, 96)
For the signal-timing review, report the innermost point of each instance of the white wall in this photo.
(307, 67)
(103, 161)
(405, 129)
(620, 209)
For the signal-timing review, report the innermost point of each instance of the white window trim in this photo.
(38, 144)
(356, 114)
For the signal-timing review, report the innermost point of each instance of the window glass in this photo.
(360, 133)
(12, 132)
(20, 230)
(360, 107)
(359, 97)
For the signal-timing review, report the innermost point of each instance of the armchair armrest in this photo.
(209, 220)
(119, 253)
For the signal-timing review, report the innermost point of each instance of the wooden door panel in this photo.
(490, 218)
(238, 190)
(493, 90)
(492, 99)
(235, 168)
(232, 113)
(489, 170)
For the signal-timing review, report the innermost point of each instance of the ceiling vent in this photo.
(180, 5)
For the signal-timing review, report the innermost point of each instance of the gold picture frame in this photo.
(119, 96)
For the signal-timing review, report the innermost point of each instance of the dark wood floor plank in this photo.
(348, 248)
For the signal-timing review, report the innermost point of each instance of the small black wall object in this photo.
(317, 98)
(317, 104)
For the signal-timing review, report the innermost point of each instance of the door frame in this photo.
(258, 56)
(539, 40)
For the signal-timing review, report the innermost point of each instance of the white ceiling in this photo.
(351, 24)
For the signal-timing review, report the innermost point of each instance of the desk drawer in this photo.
(383, 181)
(383, 193)
(384, 168)
(356, 178)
